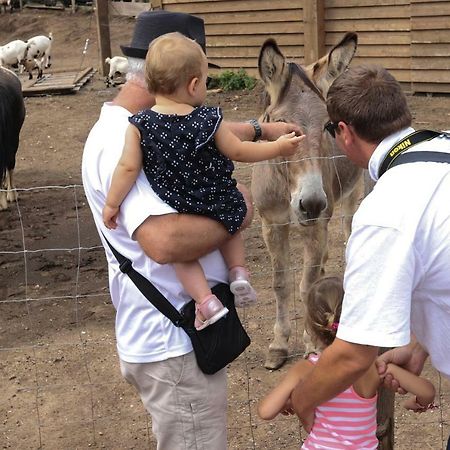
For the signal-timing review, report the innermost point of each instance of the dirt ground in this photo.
(59, 379)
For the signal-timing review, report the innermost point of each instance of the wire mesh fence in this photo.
(61, 384)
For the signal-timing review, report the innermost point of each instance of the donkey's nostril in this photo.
(301, 207)
(312, 207)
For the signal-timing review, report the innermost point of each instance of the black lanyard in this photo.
(406, 143)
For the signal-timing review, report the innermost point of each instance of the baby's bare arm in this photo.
(245, 151)
(127, 169)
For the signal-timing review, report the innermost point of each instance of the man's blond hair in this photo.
(172, 61)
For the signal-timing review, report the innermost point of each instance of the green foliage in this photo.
(232, 81)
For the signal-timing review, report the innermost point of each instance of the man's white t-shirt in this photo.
(397, 278)
(143, 334)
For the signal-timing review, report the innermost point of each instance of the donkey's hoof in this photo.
(276, 358)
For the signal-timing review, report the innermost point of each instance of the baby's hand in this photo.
(288, 143)
(110, 214)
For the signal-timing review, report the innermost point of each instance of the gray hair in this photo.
(136, 71)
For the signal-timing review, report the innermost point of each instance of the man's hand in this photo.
(411, 357)
(271, 131)
(306, 417)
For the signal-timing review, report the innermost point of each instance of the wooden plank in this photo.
(426, 36)
(430, 23)
(265, 29)
(251, 17)
(371, 38)
(371, 12)
(389, 63)
(430, 9)
(254, 40)
(249, 52)
(426, 63)
(431, 75)
(60, 83)
(128, 9)
(438, 88)
(82, 74)
(358, 3)
(236, 63)
(385, 51)
(314, 30)
(368, 25)
(232, 6)
(41, 6)
(433, 49)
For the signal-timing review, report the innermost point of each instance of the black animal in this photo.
(12, 115)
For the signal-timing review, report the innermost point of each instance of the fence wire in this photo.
(60, 381)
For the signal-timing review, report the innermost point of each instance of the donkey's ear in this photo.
(330, 66)
(272, 68)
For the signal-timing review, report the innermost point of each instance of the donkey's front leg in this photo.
(315, 255)
(276, 238)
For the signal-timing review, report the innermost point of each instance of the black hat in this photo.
(152, 24)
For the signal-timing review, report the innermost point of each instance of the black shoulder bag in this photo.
(216, 345)
(396, 154)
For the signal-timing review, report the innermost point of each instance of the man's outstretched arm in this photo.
(339, 366)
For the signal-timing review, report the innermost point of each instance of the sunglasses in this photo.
(331, 127)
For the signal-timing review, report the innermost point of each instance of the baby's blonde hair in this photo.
(323, 310)
(172, 61)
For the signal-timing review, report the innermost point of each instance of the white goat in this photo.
(13, 54)
(118, 66)
(6, 4)
(38, 54)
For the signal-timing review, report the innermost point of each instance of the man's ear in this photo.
(346, 132)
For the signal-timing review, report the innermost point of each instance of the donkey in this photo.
(302, 189)
(12, 115)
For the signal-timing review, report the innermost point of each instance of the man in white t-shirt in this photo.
(188, 408)
(397, 282)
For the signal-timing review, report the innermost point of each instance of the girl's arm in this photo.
(271, 131)
(275, 401)
(244, 151)
(124, 176)
(410, 382)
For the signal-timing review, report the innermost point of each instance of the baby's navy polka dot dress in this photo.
(184, 167)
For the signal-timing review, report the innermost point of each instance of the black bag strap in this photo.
(147, 289)
(405, 144)
(421, 156)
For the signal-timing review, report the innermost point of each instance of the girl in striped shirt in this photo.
(347, 421)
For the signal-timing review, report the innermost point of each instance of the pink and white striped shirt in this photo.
(348, 421)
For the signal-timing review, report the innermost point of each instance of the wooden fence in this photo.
(411, 38)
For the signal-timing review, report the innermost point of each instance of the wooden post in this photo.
(385, 419)
(104, 41)
(314, 29)
(385, 402)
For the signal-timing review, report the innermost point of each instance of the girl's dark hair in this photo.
(323, 310)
